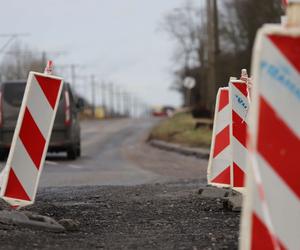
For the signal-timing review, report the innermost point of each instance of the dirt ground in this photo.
(152, 216)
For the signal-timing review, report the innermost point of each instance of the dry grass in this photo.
(181, 129)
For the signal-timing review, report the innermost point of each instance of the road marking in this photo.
(52, 163)
(67, 165)
(74, 166)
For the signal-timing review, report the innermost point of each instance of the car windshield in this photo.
(13, 93)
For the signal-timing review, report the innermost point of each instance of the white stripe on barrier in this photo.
(282, 85)
(218, 172)
(222, 119)
(31, 138)
(273, 187)
(291, 237)
(28, 176)
(240, 156)
(38, 104)
(240, 107)
(221, 162)
(239, 100)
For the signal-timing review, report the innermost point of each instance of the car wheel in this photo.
(3, 154)
(78, 149)
(72, 152)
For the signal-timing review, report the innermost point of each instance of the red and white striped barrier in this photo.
(271, 214)
(30, 142)
(228, 157)
(219, 165)
(239, 110)
(286, 2)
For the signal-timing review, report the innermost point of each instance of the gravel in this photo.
(152, 216)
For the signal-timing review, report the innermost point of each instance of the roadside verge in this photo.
(201, 153)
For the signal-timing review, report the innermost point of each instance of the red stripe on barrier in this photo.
(238, 176)
(279, 146)
(239, 128)
(242, 87)
(224, 99)
(261, 237)
(14, 188)
(285, 3)
(50, 88)
(289, 47)
(222, 141)
(15, 207)
(32, 138)
(223, 177)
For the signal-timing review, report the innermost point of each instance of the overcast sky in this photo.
(118, 40)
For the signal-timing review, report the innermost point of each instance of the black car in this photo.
(66, 129)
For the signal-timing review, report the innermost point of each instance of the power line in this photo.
(11, 37)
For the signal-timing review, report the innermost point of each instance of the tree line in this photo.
(235, 23)
(19, 59)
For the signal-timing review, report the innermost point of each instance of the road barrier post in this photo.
(271, 217)
(31, 138)
(219, 166)
(239, 105)
(228, 157)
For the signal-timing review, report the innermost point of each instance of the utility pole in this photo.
(72, 68)
(136, 107)
(126, 104)
(118, 101)
(103, 96)
(213, 49)
(73, 75)
(133, 105)
(111, 98)
(93, 89)
(129, 103)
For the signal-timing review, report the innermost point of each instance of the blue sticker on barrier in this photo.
(281, 74)
(241, 102)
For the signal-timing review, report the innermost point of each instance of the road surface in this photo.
(101, 196)
(115, 153)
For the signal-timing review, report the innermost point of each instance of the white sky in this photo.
(117, 40)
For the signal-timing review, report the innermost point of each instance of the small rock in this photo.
(69, 224)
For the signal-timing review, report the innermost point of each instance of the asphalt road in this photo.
(124, 194)
(115, 153)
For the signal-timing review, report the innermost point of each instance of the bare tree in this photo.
(238, 24)
(243, 19)
(19, 60)
(186, 25)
